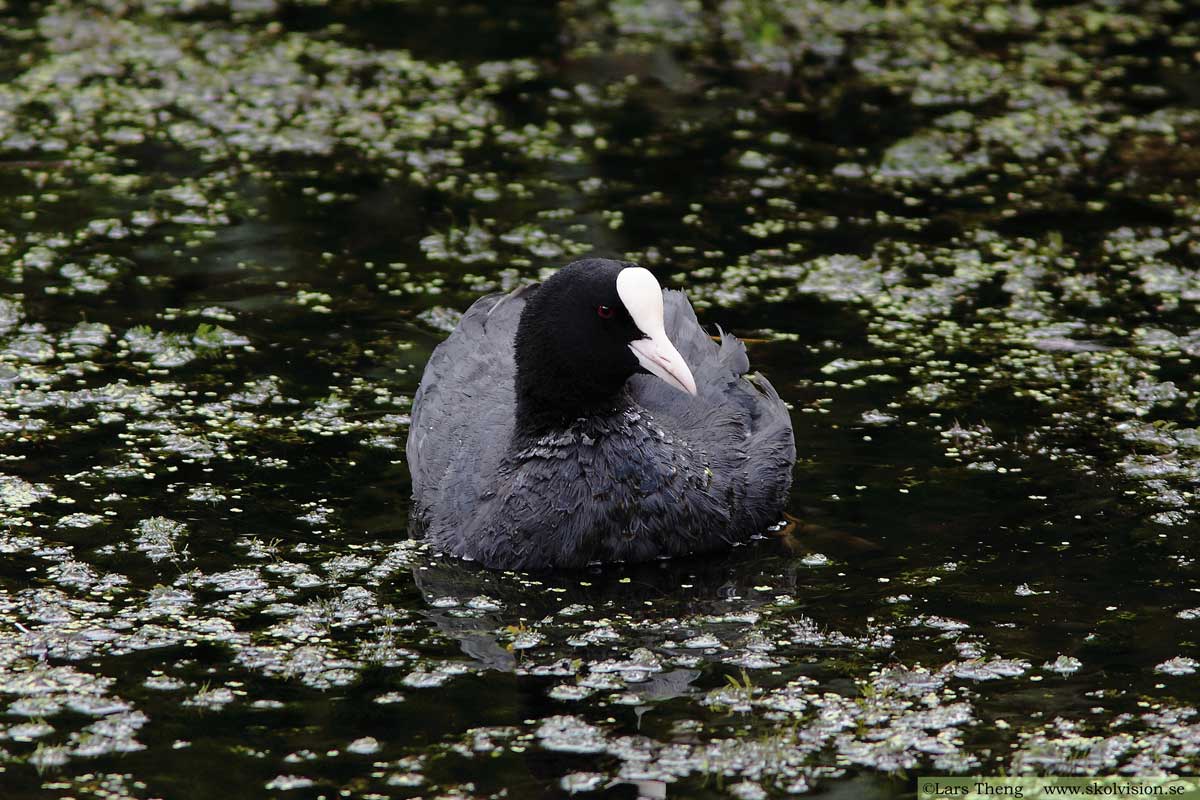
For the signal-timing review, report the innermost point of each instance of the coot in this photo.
(591, 419)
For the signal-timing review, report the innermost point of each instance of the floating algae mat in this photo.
(963, 239)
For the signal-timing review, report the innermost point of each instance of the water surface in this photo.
(961, 238)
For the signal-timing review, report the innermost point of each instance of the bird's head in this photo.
(587, 330)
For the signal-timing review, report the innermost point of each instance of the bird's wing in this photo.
(465, 403)
(737, 420)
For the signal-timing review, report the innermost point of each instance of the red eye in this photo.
(604, 312)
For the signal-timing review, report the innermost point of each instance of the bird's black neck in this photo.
(564, 368)
(549, 400)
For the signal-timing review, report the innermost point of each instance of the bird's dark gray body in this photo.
(658, 473)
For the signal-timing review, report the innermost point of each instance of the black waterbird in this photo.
(591, 419)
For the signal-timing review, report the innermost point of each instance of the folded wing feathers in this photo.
(481, 346)
(737, 417)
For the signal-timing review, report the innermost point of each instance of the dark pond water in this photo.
(962, 239)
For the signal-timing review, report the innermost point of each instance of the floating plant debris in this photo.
(961, 239)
